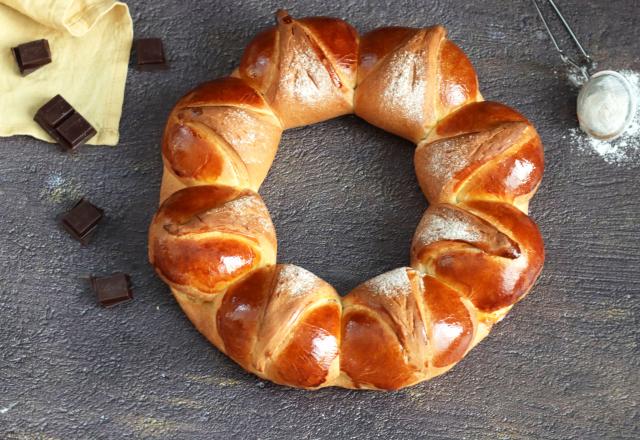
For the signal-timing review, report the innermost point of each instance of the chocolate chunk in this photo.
(31, 56)
(75, 130)
(63, 123)
(54, 111)
(150, 54)
(82, 221)
(113, 289)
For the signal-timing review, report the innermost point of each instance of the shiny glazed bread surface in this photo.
(475, 252)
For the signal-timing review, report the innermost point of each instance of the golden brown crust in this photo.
(490, 281)
(203, 238)
(444, 222)
(221, 132)
(240, 314)
(282, 322)
(450, 326)
(474, 254)
(385, 312)
(375, 45)
(398, 94)
(305, 69)
(306, 360)
(457, 80)
(473, 118)
(223, 92)
(445, 165)
(339, 41)
(371, 354)
(257, 67)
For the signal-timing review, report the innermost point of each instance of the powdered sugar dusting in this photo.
(250, 135)
(243, 204)
(624, 150)
(443, 162)
(406, 84)
(245, 210)
(296, 281)
(392, 283)
(303, 74)
(244, 122)
(444, 158)
(454, 227)
(59, 190)
(251, 205)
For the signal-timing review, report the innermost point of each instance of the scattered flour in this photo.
(407, 73)
(295, 281)
(447, 225)
(246, 209)
(306, 72)
(241, 205)
(620, 151)
(7, 408)
(58, 190)
(392, 283)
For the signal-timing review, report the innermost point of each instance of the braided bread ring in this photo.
(475, 252)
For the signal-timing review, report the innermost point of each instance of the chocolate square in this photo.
(31, 56)
(113, 289)
(150, 54)
(54, 112)
(82, 220)
(64, 123)
(75, 131)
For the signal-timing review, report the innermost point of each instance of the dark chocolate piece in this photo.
(31, 56)
(112, 290)
(75, 130)
(150, 54)
(54, 111)
(82, 220)
(63, 123)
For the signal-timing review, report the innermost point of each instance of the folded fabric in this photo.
(90, 44)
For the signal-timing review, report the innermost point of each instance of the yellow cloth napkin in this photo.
(90, 43)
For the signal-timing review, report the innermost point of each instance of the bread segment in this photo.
(221, 132)
(305, 69)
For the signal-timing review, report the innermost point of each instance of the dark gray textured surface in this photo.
(563, 365)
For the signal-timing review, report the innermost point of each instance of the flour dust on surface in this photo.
(623, 151)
